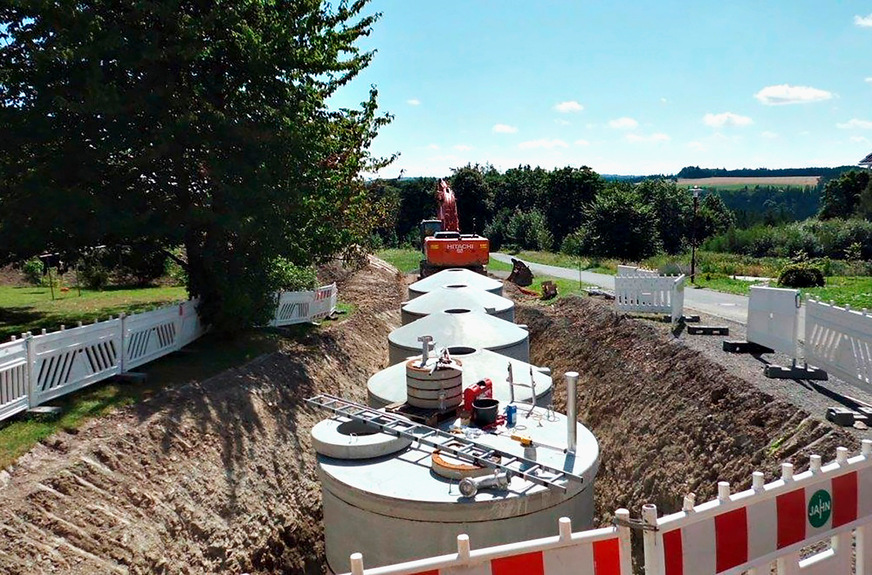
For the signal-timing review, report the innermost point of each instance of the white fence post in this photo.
(30, 371)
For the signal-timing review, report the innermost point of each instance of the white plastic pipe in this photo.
(571, 410)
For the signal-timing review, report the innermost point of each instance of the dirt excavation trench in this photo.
(219, 476)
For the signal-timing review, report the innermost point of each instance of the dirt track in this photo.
(218, 477)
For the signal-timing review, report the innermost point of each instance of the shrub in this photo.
(173, 270)
(800, 275)
(32, 270)
(93, 275)
(290, 277)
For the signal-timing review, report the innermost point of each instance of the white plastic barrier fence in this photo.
(150, 335)
(625, 271)
(307, 306)
(650, 294)
(13, 378)
(65, 361)
(772, 525)
(839, 341)
(192, 328)
(595, 552)
(37, 369)
(773, 317)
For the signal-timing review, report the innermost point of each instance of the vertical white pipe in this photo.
(463, 547)
(356, 564)
(564, 527)
(571, 410)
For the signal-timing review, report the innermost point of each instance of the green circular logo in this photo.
(819, 507)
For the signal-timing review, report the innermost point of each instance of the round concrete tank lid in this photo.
(342, 438)
(459, 328)
(448, 297)
(453, 277)
(403, 485)
(389, 384)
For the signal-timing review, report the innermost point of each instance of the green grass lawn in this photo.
(405, 260)
(853, 291)
(32, 308)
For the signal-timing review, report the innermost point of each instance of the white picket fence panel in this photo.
(650, 294)
(633, 271)
(37, 369)
(772, 525)
(65, 361)
(773, 317)
(307, 306)
(595, 552)
(13, 378)
(839, 341)
(150, 335)
(192, 328)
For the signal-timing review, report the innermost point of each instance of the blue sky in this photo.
(625, 88)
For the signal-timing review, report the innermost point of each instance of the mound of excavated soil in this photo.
(213, 477)
(669, 420)
(219, 476)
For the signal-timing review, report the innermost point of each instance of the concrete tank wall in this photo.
(467, 329)
(455, 276)
(389, 385)
(389, 540)
(461, 297)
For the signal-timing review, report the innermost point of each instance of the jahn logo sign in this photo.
(820, 505)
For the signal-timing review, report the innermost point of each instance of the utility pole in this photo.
(695, 191)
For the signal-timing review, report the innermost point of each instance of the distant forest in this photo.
(824, 173)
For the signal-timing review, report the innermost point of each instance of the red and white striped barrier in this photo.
(771, 523)
(595, 552)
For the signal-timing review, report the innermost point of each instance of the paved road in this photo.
(724, 305)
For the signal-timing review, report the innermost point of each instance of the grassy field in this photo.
(32, 309)
(738, 183)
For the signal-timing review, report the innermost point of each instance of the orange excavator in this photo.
(443, 244)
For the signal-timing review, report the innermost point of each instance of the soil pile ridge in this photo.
(669, 420)
(211, 477)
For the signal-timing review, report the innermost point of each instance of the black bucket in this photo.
(484, 411)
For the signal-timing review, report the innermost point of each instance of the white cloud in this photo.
(568, 106)
(726, 118)
(543, 143)
(624, 124)
(699, 146)
(414, 102)
(582, 143)
(856, 123)
(869, 80)
(787, 94)
(859, 139)
(433, 147)
(504, 129)
(863, 21)
(463, 148)
(769, 135)
(658, 137)
(562, 122)
(664, 101)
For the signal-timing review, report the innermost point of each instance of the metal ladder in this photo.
(457, 445)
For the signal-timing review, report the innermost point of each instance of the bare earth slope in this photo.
(219, 476)
(216, 477)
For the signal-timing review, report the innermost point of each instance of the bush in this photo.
(32, 270)
(175, 272)
(290, 277)
(800, 275)
(93, 275)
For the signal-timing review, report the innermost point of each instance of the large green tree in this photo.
(191, 122)
(474, 198)
(567, 192)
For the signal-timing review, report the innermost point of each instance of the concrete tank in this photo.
(389, 505)
(458, 297)
(456, 277)
(389, 385)
(460, 328)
